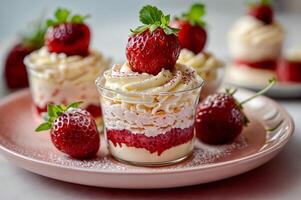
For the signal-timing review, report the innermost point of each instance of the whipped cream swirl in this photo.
(254, 31)
(122, 78)
(58, 67)
(166, 91)
(204, 63)
(252, 40)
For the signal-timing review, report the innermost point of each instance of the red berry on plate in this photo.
(73, 130)
(154, 45)
(289, 71)
(262, 11)
(66, 34)
(220, 117)
(14, 68)
(192, 34)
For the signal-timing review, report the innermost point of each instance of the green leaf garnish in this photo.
(63, 15)
(153, 18)
(34, 37)
(150, 15)
(53, 112)
(43, 127)
(195, 14)
(265, 2)
(261, 2)
(74, 105)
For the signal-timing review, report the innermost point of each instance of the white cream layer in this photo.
(141, 155)
(252, 40)
(120, 117)
(294, 55)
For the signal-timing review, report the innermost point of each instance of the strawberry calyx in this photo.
(153, 18)
(53, 112)
(240, 104)
(63, 15)
(34, 39)
(195, 15)
(261, 2)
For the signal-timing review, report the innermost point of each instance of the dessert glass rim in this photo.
(100, 85)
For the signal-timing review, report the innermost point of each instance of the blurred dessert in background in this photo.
(289, 67)
(15, 73)
(64, 70)
(193, 37)
(149, 102)
(255, 44)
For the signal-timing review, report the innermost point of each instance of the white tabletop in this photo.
(278, 179)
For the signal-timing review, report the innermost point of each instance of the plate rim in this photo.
(280, 144)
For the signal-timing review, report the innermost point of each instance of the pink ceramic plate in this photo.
(269, 130)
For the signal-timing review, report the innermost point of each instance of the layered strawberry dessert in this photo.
(149, 101)
(255, 44)
(193, 37)
(64, 70)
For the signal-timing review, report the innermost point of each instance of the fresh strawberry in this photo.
(262, 11)
(14, 69)
(220, 117)
(192, 34)
(289, 71)
(154, 45)
(73, 130)
(68, 34)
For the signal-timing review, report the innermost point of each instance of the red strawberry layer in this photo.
(289, 71)
(94, 110)
(159, 143)
(265, 64)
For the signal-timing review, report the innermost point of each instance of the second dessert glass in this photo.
(149, 129)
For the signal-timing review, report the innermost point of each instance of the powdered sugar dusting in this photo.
(202, 155)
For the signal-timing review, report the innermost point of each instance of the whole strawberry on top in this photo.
(68, 34)
(14, 69)
(262, 10)
(220, 117)
(154, 45)
(73, 130)
(192, 34)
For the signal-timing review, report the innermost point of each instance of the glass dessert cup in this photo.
(65, 91)
(149, 129)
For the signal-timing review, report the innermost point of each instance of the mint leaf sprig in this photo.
(195, 14)
(53, 112)
(63, 15)
(153, 18)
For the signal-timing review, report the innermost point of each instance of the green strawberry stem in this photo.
(195, 14)
(153, 18)
(34, 39)
(261, 2)
(265, 2)
(53, 112)
(264, 90)
(63, 15)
